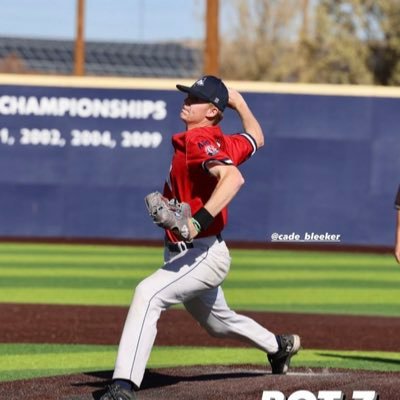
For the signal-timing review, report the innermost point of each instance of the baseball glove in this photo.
(169, 214)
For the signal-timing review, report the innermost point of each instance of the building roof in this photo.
(102, 58)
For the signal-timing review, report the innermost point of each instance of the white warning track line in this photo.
(291, 373)
(312, 373)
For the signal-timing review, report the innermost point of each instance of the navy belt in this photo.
(182, 246)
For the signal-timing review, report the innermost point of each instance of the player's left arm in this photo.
(397, 245)
(230, 180)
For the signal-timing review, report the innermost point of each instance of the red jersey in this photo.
(189, 180)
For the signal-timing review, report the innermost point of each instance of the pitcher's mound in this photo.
(244, 382)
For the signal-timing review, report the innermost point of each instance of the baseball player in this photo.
(397, 244)
(202, 180)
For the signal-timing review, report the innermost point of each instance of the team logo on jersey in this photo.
(211, 150)
(208, 147)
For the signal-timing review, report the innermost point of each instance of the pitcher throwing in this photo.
(203, 179)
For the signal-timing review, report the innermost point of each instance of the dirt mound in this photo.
(209, 383)
(103, 325)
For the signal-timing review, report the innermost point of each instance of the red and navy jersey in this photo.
(189, 179)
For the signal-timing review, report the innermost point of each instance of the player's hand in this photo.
(397, 252)
(235, 99)
(192, 232)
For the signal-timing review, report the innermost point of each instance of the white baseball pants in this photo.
(192, 277)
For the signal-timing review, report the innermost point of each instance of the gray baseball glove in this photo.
(169, 214)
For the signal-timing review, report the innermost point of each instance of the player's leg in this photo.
(213, 313)
(184, 276)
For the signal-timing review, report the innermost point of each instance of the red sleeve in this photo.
(202, 149)
(227, 149)
(240, 147)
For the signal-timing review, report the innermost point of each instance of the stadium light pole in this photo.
(79, 62)
(211, 48)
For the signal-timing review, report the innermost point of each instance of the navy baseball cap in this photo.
(208, 88)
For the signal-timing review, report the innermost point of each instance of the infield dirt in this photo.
(21, 323)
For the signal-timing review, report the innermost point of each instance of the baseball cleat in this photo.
(116, 392)
(289, 345)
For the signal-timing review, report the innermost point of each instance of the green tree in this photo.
(384, 40)
(338, 53)
(320, 41)
(257, 46)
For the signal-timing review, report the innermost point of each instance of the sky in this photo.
(106, 20)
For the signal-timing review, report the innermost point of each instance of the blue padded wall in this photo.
(330, 164)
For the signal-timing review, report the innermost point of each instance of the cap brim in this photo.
(193, 92)
(183, 88)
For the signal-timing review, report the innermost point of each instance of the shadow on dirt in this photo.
(154, 379)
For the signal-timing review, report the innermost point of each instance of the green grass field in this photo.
(342, 283)
(37, 360)
(259, 280)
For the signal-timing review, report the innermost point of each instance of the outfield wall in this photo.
(77, 157)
